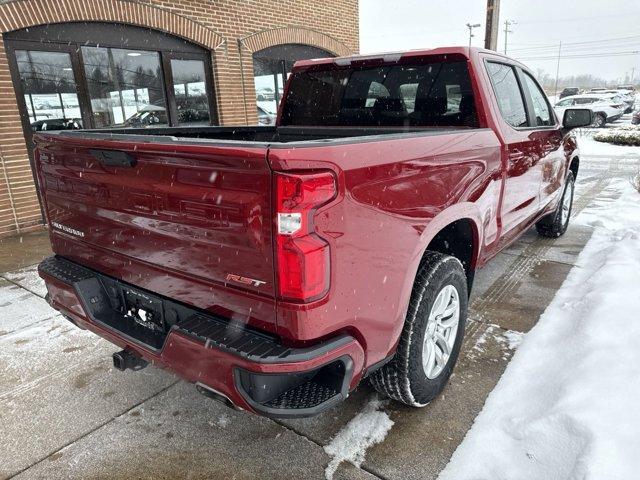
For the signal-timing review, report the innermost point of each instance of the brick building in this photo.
(113, 63)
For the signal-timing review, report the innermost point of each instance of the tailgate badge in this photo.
(244, 280)
(67, 229)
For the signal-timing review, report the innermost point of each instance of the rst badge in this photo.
(67, 229)
(244, 280)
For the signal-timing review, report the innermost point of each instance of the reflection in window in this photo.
(539, 100)
(507, 91)
(125, 87)
(271, 69)
(49, 89)
(436, 94)
(190, 91)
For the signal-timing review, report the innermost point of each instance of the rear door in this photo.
(187, 219)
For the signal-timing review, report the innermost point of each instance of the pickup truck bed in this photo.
(276, 267)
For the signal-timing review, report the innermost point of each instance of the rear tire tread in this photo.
(393, 379)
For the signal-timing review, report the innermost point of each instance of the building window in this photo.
(49, 90)
(190, 92)
(125, 87)
(271, 69)
(98, 75)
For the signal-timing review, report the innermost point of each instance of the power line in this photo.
(583, 55)
(554, 45)
(578, 19)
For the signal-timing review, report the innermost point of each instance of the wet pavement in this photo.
(66, 413)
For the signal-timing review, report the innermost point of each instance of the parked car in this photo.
(277, 267)
(631, 88)
(56, 124)
(569, 91)
(265, 117)
(635, 118)
(624, 96)
(604, 110)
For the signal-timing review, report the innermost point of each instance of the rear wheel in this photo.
(430, 341)
(556, 223)
(599, 120)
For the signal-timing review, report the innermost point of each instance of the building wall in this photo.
(231, 29)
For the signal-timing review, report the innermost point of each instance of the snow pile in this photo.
(588, 146)
(367, 428)
(622, 135)
(567, 407)
(513, 338)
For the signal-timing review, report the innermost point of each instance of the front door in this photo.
(523, 168)
(547, 140)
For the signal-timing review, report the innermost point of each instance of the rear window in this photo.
(436, 94)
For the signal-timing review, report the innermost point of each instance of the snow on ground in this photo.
(367, 428)
(567, 405)
(29, 279)
(588, 146)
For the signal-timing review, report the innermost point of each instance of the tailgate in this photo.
(189, 220)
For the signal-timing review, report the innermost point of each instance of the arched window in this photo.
(271, 68)
(99, 75)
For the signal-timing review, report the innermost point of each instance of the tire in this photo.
(599, 120)
(405, 378)
(556, 223)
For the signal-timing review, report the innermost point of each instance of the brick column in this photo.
(19, 207)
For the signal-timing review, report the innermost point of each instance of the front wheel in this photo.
(430, 341)
(557, 222)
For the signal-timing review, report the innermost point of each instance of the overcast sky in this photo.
(596, 34)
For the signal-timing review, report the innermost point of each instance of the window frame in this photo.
(529, 100)
(519, 80)
(77, 62)
(165, 59)
(76, 66)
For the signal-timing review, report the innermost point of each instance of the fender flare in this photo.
(459, 211)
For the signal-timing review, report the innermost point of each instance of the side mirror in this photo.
(577, 117)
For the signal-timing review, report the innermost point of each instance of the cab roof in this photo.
(393, 57)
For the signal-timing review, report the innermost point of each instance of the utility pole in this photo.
(555, 90)
(471, 27)
(507, 24)
(491, 25)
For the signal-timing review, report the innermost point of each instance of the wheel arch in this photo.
(456, 231)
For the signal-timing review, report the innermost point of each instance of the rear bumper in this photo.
(250, 369)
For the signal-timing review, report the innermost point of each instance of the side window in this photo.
(539, 101)
(564, 103)
(408, 93)
(507, 91)
(583, 101)
(376, 91)
(454, 97)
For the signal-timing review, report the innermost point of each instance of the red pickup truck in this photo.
(278, 266)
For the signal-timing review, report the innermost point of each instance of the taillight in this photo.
(302, 256)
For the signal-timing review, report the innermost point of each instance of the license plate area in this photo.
(136, 314)
(143, 309)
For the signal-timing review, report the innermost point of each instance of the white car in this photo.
(625, 96)
(605, 107)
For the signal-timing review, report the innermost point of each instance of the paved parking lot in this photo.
(65, 412)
